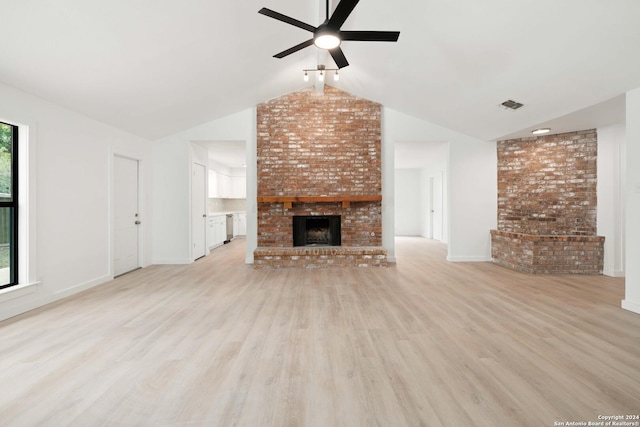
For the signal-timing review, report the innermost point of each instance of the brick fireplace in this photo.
(547, 202)
(319, 156)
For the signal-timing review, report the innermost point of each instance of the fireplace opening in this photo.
(316, 230)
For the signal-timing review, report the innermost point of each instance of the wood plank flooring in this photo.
(421, 343)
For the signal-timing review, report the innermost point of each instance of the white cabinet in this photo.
(243, 224)
(224, 186)
(210, 232)
(239, 187)
(216, 230)
(239, 224)
(214, 190)
(227, 187)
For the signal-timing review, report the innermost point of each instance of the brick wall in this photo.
(547, 185)
(547, 203)
(319, 144)
(313, 144)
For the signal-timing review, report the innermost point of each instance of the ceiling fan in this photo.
(328, 35)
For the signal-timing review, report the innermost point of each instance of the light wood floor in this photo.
(422, 343)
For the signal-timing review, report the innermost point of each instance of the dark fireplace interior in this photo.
(316, 230)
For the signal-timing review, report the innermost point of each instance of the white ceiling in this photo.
(155, 67)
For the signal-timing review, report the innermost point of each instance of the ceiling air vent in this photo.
(512, 105)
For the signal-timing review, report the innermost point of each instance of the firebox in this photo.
(316, 230)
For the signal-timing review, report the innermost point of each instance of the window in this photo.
(8, 205)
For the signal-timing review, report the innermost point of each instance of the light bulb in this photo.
(336, 76)
(327, 41)
(326, 37)
(321, 76)
(306, 76)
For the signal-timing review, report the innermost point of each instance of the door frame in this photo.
(191, 207)
(112, 210)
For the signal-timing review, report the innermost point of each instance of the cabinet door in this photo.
(235, 225)
(211, 235)
(217, 230)
(224, 184)
(221, 230)
(213, 184)
(242, 224)
(239, 187)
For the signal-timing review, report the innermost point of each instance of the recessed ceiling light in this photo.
(541, 131)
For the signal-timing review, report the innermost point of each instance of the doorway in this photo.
(435, 207)
(199, 210)
(126, 215)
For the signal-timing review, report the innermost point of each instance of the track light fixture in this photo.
(322, 70)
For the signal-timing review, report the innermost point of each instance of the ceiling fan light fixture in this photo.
(326, 38)
(328, 35)
(327, 41)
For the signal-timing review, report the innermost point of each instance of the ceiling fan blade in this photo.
(342, 12)
(293, 49)
(338, 56)
(284, 18)
(370, 36)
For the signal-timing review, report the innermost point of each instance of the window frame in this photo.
(13, 206)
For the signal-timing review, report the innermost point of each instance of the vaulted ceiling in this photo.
(155, 67)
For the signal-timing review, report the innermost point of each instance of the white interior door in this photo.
(437, 208)
(431, 208)
(199, 210)
(127, 217)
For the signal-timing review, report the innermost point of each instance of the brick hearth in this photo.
(320, 257)
(548, 254)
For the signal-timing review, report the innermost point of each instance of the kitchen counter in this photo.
(225, 213)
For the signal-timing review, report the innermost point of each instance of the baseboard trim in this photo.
(631, 306)
(22, 307)
(169, 261)
(613, 273)
(81, 287)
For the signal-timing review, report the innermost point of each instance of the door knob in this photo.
(137, 222)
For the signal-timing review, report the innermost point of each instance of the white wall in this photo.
(611, 172)
(408, 202)
(632, 203)
(172, 160)
(70, 200)
(471, 185)
(171, 202)
(473, 199)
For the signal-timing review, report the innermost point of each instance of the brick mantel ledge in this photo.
(345, 200)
